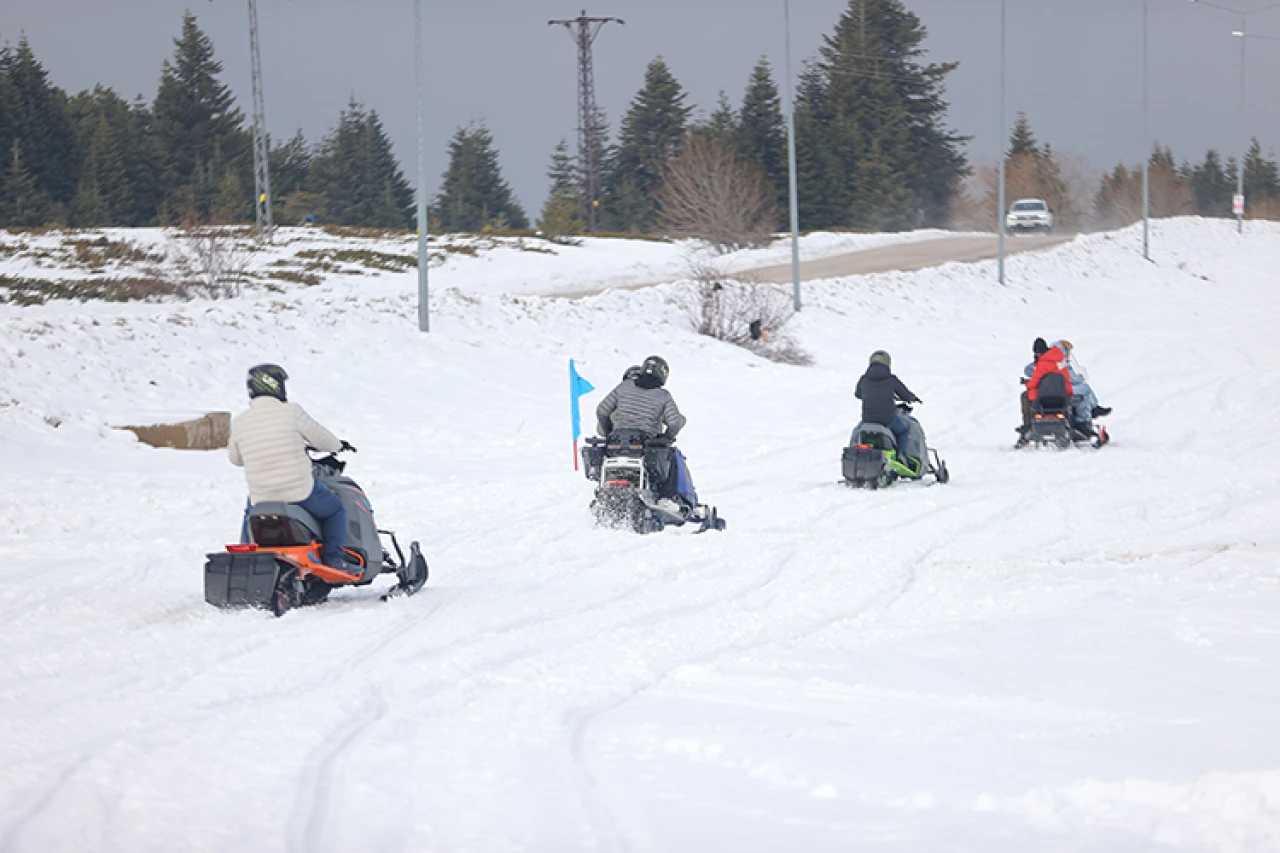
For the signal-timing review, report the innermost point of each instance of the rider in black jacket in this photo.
(879, 390)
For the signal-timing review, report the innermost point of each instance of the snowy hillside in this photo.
(1053, 652)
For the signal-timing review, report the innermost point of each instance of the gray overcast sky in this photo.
(1074, 65)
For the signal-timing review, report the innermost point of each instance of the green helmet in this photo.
(656, 366)
(882, 357)
(267, 380)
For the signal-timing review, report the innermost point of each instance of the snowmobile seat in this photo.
(873, 437)
(626, 442)
(1051, 395)
(278, 524)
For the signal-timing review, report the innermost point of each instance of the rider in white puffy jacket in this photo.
(269, 441)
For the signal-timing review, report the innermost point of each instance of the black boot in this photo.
(1101, 411)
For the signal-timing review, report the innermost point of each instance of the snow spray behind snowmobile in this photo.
(279, 568)
(628, 468)
(1051, 425)
(873, 459)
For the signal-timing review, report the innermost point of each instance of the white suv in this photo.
(1029, 214)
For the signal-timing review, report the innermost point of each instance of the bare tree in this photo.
(710, 193)
(745, 313)
(210, 259)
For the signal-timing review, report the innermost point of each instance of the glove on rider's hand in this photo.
(346, 446)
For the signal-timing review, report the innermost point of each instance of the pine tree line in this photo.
(95, 159)
(872, 148)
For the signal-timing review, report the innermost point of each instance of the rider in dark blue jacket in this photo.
(879, 390)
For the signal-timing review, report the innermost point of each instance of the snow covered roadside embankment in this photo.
(118, 264)
(1055, 651)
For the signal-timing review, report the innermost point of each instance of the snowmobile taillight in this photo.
(617, 483)
(242, 549)
(863, 446)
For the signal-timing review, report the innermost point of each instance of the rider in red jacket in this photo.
(1054, 360)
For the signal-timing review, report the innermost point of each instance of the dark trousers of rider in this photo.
(328, 510)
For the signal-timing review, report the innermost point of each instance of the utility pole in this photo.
(424, 253)
(1146, 139)
(261, 166)
(1003, 130)
(788, 89)
(583, 30)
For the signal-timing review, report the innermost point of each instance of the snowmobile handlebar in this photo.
(343, 449)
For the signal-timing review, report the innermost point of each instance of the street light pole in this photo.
(1244, 133)
(1242, 34)
(1001, 203)
(791, 162)
(424, 256)
(1146, 141)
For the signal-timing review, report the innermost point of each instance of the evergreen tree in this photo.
(199, 133)
(720, 125)
(1022, 142)
(8, 107)
(650, 135)
(762, 132)
(600, 137)
(1161, 158)
(563, 172)
(102, 197)
(823, 188)
(1212, 186)
(233, 203)
(869, 96)
(356, 175)
(116, 185)
(475, 195)
(1261, 175)
(562, 214)
(290, 163)
(38, 120)
(22, 203)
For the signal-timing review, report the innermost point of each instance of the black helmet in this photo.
(656, 366)
(631, 372)
(1039, 347)
(267, 380)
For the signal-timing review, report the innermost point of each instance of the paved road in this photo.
(904, 257)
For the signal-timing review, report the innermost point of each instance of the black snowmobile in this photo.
(1051, 424)
(627, 468)
(279, 568)
(873, 460)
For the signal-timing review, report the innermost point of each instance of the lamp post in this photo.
(1146, 142)
(791, 161)
(424, 256)
(1001, 203)
(1243, 35)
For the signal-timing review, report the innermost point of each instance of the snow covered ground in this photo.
(1054, 652)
